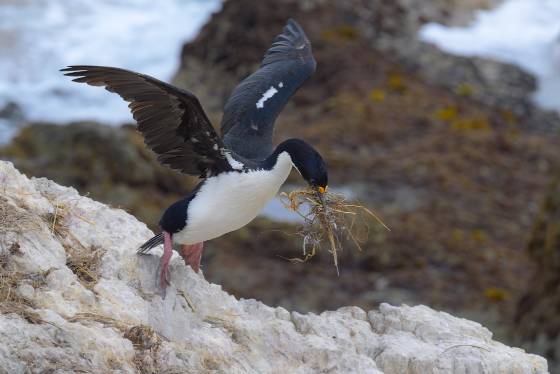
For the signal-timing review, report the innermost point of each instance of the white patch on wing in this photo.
(233, 162)
(280, 84)
(229, 201)
(267, 95)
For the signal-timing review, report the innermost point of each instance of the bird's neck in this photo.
(283, 154)
(279, 164)
(288, 147)
(279, 158)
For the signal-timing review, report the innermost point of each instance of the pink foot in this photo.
(192, 255)
(164, 263)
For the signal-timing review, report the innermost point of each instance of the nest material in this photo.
(328, 217)
(85, 263)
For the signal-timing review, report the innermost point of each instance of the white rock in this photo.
(202, 328)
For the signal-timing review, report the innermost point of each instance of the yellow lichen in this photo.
(377, 95)
(495, 294)
(446, 114)
(396, 82)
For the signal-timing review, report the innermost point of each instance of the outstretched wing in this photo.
(172, 120)
(250, 112)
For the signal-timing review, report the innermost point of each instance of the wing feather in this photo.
(250, 112)
(172, 120)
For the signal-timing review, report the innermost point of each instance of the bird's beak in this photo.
(322, 190)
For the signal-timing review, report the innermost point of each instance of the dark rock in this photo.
(492, 83)
(537, 318)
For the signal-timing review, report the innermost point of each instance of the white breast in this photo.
(231, 200)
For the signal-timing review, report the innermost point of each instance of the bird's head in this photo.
(308, 162)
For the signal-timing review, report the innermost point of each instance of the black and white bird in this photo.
(240, 171)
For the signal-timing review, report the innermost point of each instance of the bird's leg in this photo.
(164, 262)
(192, 255)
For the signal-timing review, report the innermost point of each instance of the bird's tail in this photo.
(153, 242)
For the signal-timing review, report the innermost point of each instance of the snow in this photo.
(43, 36)
(522, 32)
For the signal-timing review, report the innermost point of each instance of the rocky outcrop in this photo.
(392, 28)
(76, 298)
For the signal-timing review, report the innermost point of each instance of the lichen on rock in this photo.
(120, 324)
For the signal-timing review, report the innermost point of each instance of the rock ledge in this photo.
(74, 297)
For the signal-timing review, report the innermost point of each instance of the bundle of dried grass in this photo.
(327, 217)
(85, 263)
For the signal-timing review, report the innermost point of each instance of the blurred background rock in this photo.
(451, 151)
